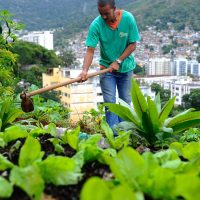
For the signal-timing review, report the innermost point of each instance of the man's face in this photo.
(107, 13)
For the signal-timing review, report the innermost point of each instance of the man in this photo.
(117, 33)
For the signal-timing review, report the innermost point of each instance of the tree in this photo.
(34, 54)
(185, 101)
(167, 48)
(156, 87)
(68, 57)
(164, 93)
(192, 100)
(7, 58)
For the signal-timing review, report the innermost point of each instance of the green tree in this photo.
(164, 93)
(192, 100)
(156, 88)
(167, 48)
(68, 57)
(33, 54)
(7, 58)
(185, 101)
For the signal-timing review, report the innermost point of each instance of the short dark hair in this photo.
(106, 2)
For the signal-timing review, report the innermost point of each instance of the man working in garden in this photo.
(117, 32)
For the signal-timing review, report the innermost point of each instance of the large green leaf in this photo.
(123, 112)
(28, 179)
(166, 110)
(59, 170)
(123, 103)
(90, 190)
(14, 132)
(157, 102)
(128, 166)
(182, 117)
(147, 125)
(30, 152)
(187, 186)
(6, 188)
(153, 115)
(123, 192)
(191, 150)
(181, 126)
(72, 137)
(163, 183)
(138, 100)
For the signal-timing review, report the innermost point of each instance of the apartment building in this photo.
(79, 97)
(183, 86)
(178, 85)
(159, 66)
(184, 67)
(43, 38)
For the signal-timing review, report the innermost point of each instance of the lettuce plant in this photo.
(160, 176)
(122, 140)
(106, 191)
(32, 172)
(150, 120)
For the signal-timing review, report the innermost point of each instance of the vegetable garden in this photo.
(154, 156)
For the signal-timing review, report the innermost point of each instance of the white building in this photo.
(184, 67)
(183, 86)
(159, 66)
(43, 38)
(178, 85)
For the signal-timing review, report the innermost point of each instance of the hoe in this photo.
(27, 104)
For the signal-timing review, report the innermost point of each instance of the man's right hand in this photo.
(83, 75)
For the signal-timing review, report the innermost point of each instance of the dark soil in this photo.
(49, 149)
(19, 194)
(71, 192)
(11, 153)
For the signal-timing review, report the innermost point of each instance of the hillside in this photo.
(71, 16)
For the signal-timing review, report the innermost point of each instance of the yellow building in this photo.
(79, 97)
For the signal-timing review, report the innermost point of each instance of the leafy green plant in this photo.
(106, 191)
(150, 120)
(122, 140)
(32, 172)
(8, 66)
(8, 113)
(193, 134)
(159, 176)
(91, 120)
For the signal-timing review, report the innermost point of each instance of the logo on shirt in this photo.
(122, 34)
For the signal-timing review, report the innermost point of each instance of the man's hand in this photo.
(83, 75)
(114, 66)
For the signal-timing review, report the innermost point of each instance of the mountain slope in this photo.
(71, 16)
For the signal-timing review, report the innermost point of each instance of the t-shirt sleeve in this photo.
(93, 36)
(134, 35)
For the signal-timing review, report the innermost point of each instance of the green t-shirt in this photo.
(114, 42)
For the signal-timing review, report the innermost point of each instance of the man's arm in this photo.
(86, 63)
(130, 48)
